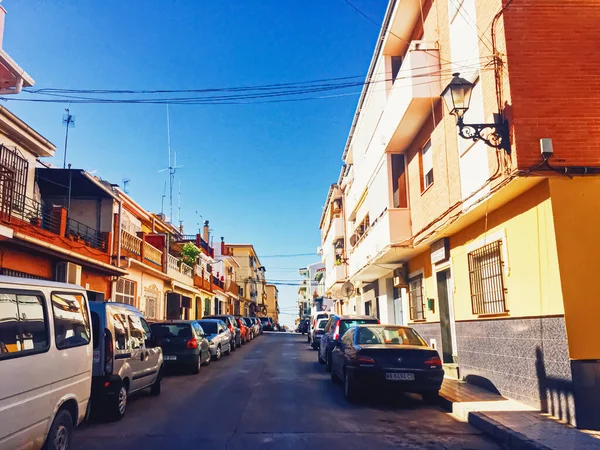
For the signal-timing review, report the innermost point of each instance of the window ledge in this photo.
(419, 321)
(427, 188)
(492, 315)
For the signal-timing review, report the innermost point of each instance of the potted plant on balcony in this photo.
(189, 254)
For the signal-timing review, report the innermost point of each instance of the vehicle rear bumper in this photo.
(425, 381)
(105, 386)
(182, 358)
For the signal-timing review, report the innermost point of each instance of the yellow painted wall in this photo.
(532, 277)
(576, 206)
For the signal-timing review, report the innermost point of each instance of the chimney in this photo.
(222, 246)
(206, 233)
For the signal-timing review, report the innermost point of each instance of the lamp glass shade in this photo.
(457, 95)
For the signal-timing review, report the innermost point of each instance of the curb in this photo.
(509, 438)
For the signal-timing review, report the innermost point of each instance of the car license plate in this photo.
(400, 376)
(170, 357)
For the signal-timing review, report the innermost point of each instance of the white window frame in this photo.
(427, 157)
(123, 295)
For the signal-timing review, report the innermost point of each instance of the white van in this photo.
(45, 362)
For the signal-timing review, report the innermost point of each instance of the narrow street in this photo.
(272, 393)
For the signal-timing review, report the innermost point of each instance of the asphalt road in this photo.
(273, 394)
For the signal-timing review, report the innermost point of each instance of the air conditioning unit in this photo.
(401, 277)
(67, 272)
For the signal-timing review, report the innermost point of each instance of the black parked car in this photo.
(304, 325)
(267, 324)
(183, 343)
(233, 328)
(334, 330)
(390, 357)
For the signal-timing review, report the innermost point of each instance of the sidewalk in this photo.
(514, 424)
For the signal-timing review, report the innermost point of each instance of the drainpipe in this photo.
(119, 234)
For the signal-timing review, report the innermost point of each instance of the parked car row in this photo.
(366, 355)
(93, 356)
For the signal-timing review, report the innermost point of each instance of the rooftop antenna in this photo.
(125, 183)
(179, 209)
(171, 168)
(162, 200)
(68, 121)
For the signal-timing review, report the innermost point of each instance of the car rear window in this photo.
(321, 324)
(264, 320)
(389, 336)
(95, 329)
(161, 330)
(209, 327)
(345, 325)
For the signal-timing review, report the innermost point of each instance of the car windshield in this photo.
(170, 330)
(209, 327)
(264, 319)
(321, 324)
(346, 324)
(389, 335)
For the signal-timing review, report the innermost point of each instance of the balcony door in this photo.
(399, 192)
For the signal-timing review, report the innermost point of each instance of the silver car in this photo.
(219, 337)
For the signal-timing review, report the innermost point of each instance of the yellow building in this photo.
(272, 302)
(249, 277)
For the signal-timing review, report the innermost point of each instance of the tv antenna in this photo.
(68, 121)
(126, 181)
(162, 200)
(179, 209)
(172, 168)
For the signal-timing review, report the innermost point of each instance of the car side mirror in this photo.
(221, 331)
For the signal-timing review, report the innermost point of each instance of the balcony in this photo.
(336, 275)
(199, 242)
(140, 250)
(416, 89)
(202, 278)
(385, 242)
(53, 225)
(178, 270)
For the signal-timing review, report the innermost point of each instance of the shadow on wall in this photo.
(556, 395)
(482, 382)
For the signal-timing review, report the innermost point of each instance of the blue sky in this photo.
(260, 172)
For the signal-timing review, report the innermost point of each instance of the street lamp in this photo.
(457, 96)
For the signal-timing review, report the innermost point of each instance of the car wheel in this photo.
(117, 405)
(61, 432)
(321, 360)
(430, 397)
(232, 345)
(218, 354)
(334, 378)
(228, 352)
(197, 364)
(155, 388)
(349, 388)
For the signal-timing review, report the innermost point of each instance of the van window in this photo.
(120, 330)
(71, 321)
(95, 329)
(136, 332)
(23, 325)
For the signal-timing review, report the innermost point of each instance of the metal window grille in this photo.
(487, 280)
(13, 180)
(415, 295)
(19, 274)
(125, 291)
(151, 301)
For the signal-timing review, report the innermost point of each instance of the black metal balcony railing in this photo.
(87, 234)
(31, 211)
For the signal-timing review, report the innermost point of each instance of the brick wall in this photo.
(553, 64)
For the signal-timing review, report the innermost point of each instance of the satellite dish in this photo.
(353, 239)
(347, 289)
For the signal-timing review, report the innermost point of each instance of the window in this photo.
(389, 336)
(396, 64)
(125, 291)
(415, 296)
(137, 336)
(207, 306)
(71, 321)
(367, 308)
(426, 166)
(486, 279)
(145, 327)
(120, 330)
(198, 329)
(345, 325)
(348, 337)
(95, 329)
(400, 197)
(151, 299)
(23, 326)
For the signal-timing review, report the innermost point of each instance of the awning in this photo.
(184, 287)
